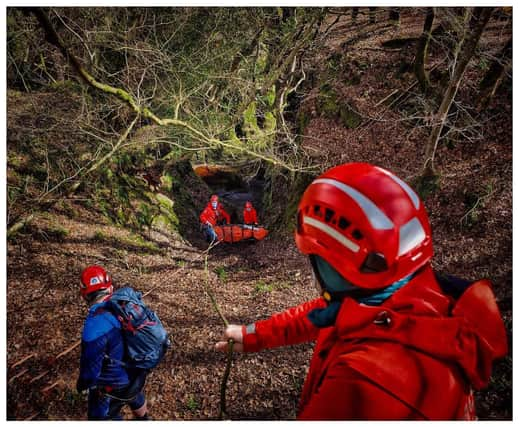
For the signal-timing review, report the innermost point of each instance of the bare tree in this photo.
(495, 74)
(464, 52)
(394, 16)
(354, 13)
(372, 15)
(421, 50)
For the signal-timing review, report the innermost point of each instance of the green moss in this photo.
(270, 97)
(234, 138)
(166, 218)
(302, 121)
(348, 117)
(165, 201)
(261, 62)
(145, 215)
(100, 236)
(138, 241)
(270, 123)
(334, 62)
(250, 122)
(166, 182)
(426, 185)
(67, 208)
(327, 104)
(330, 106)
(66, 86)
(122, 218)
(221, 273)
(15, 160)
(57, 232)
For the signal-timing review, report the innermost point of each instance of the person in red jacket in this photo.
(395, 341)
(250, 215)
(213, 214)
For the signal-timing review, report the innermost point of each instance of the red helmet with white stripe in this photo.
(214, 201)
(368, 224)
(93, 279)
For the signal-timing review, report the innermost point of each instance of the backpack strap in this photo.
(452, 285)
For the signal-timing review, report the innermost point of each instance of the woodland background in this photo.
(122, 121)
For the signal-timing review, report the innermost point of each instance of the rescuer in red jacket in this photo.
(213, 214)
(250, 215)
(394, 340)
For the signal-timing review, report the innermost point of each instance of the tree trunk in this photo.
(354, 13)
(372, 15)
(494, 76)
(421, 50)
(394, 16)
(467, 46)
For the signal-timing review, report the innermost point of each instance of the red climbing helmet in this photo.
(367, 223)
(214, 198)
(248, 205)
(94, 278)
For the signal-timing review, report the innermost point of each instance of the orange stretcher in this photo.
(232, 233)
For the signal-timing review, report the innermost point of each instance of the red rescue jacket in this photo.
(416, 356)
(250, 217)
(214, 216)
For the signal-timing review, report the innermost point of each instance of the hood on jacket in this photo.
(468, 331)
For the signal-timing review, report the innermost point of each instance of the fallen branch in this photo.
(19, 374)
(386, 98)
(38, 377)
(68, 350)
(11, 231)
(31, 417)
(23, 360)
(50, 387)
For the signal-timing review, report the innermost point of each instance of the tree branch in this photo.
(145, 112)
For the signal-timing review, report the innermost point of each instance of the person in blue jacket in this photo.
(110, 384)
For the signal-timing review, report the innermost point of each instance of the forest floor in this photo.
(472, 228)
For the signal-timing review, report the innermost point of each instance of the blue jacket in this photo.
(102, 351)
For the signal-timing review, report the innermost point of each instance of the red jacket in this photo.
(250, 217)
(214, 216)
(416, 356)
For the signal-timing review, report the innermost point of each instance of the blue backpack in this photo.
(146, 340)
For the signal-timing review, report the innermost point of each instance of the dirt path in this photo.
(46, 317)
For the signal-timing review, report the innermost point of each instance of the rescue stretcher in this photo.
(232, 233)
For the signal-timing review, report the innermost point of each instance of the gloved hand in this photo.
(233, 332)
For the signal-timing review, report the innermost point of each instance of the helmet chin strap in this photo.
(327, 296)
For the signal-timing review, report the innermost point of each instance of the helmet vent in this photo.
(328, 215)
(374, 263)
(317, 210)
(343, 223)
(357, 235)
